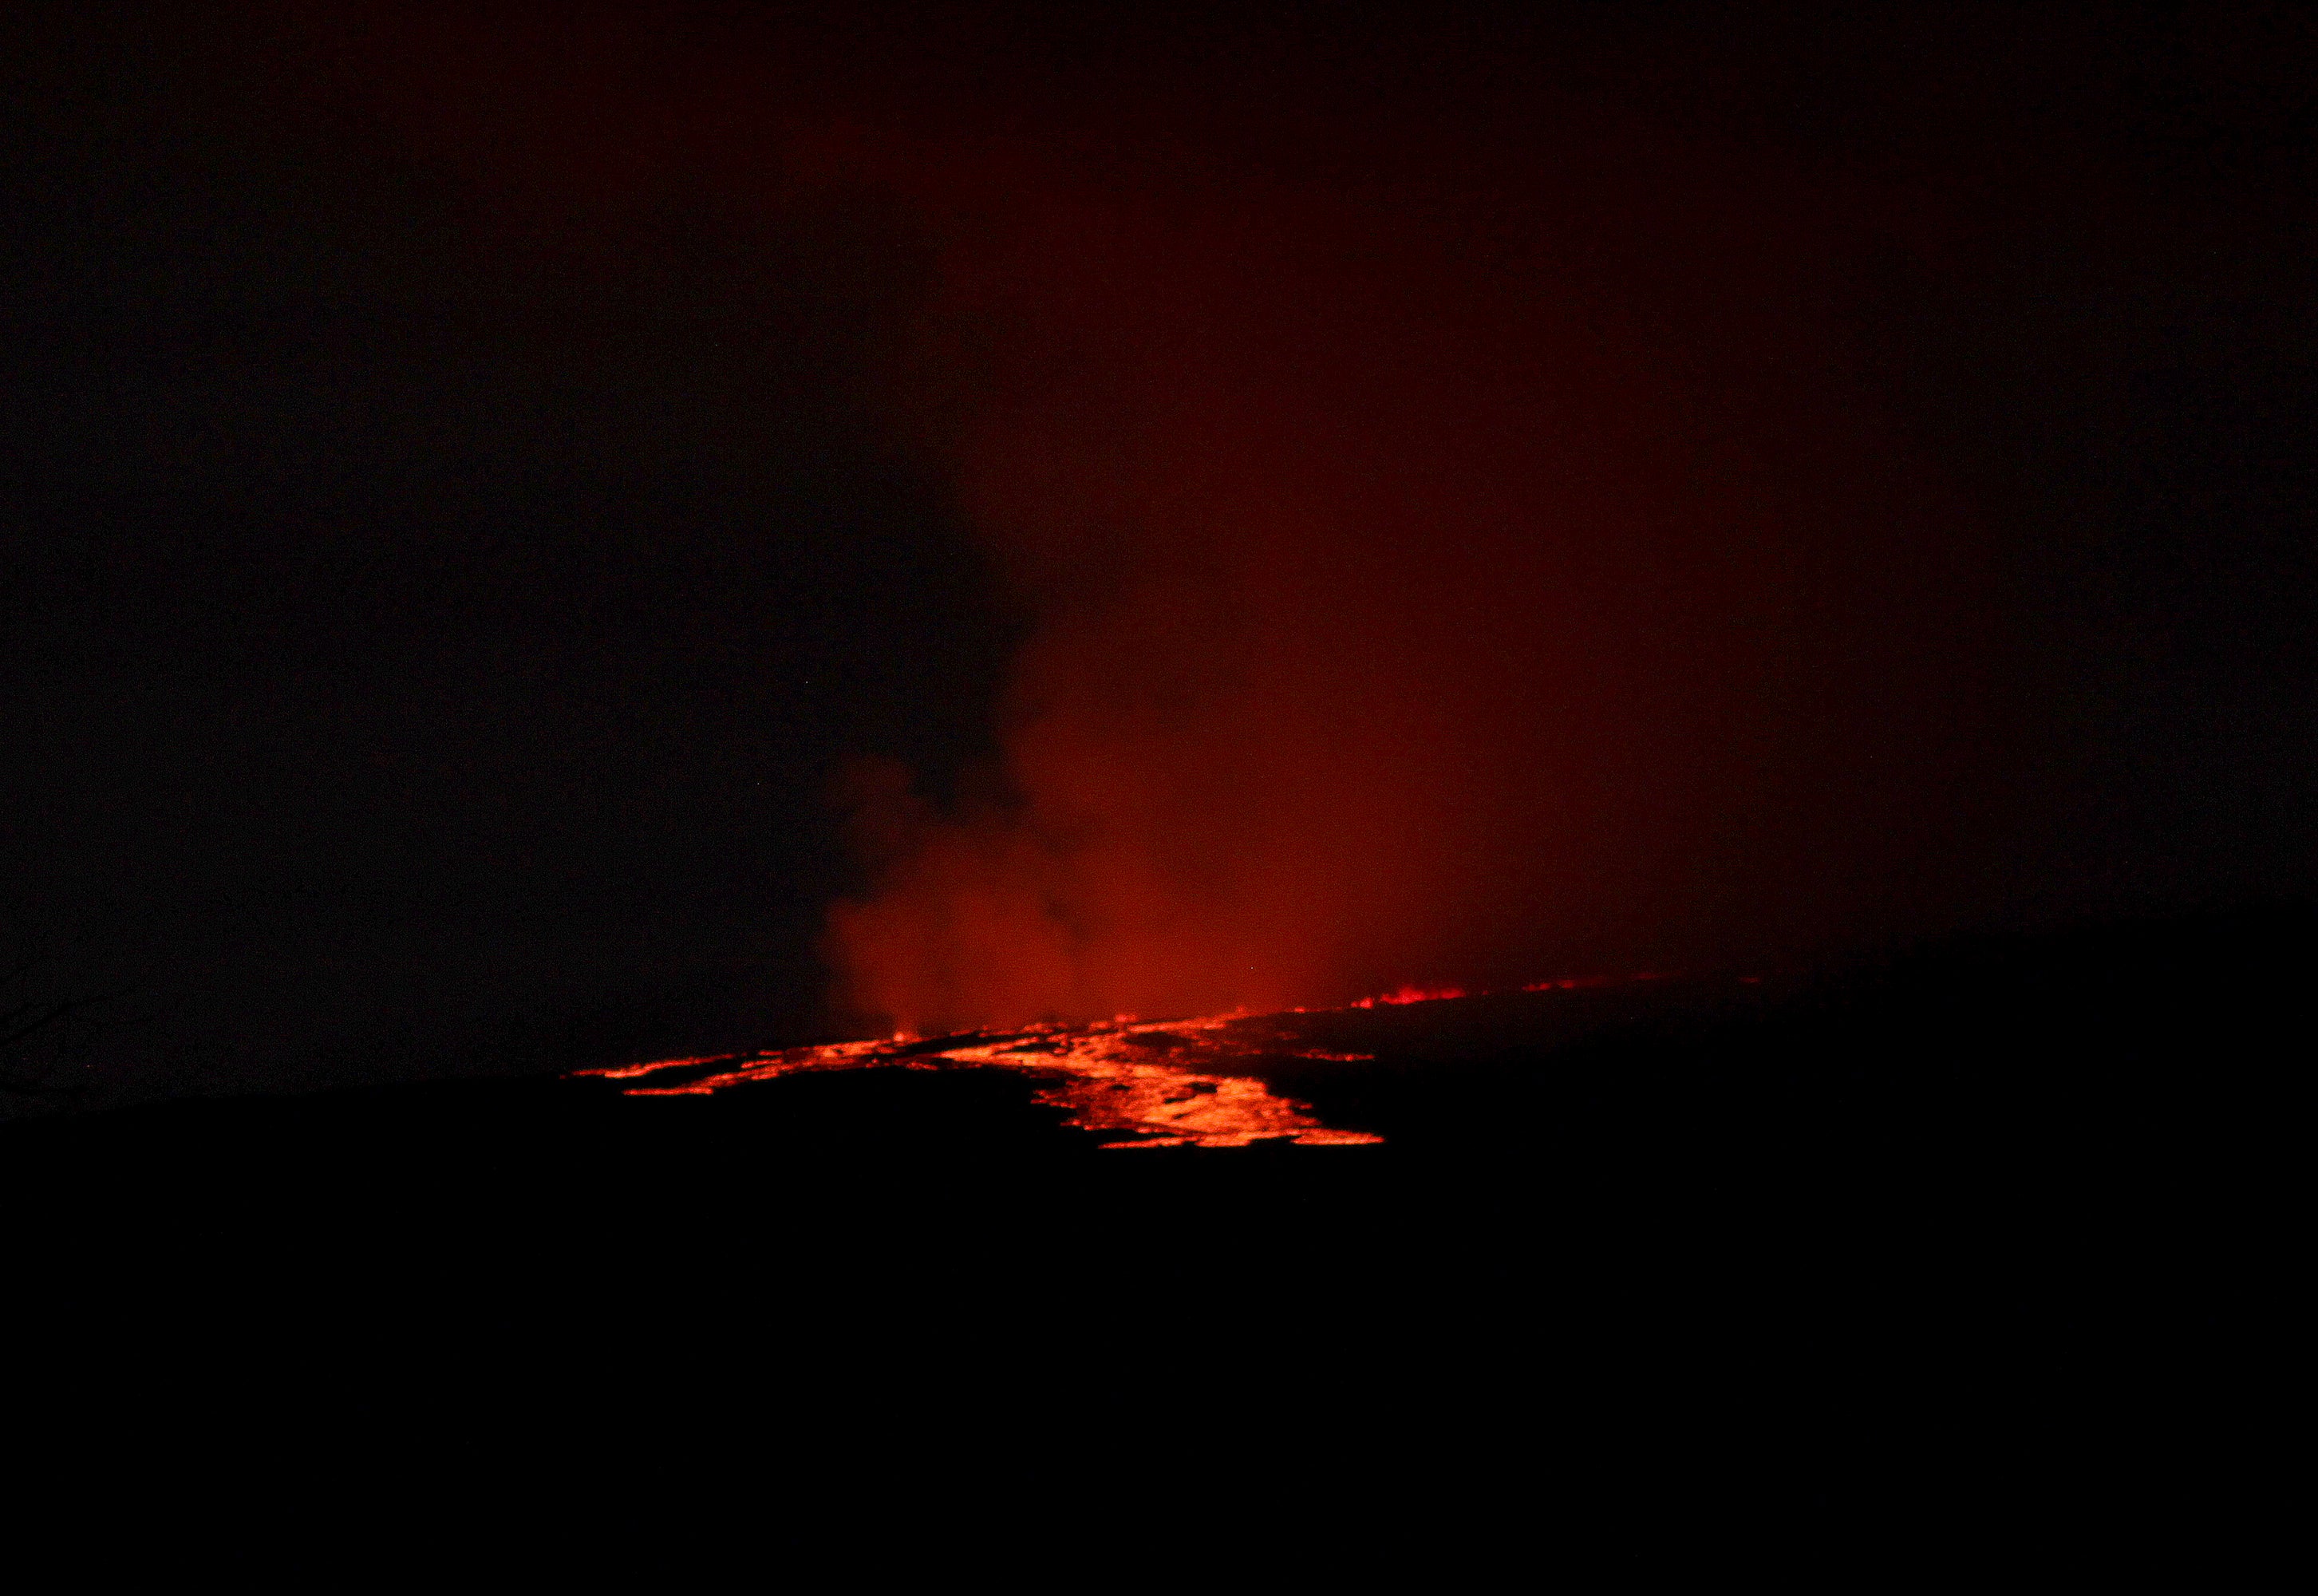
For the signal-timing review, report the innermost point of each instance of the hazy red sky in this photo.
(1470, 489)
(1241, 505)
(1459, 552)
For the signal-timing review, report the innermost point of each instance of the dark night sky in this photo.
(471, 489)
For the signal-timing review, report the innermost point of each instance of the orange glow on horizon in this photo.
(1411, 995)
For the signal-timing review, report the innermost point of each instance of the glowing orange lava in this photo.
(1412, 995)
(1151, 1084)
(1147, 1082)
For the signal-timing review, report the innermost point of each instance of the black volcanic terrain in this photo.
(1979, 1229)
(2030, 1115)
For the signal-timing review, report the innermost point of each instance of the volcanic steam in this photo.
(1477, 568)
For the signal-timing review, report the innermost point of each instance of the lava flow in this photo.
(1198, 1082)
(1161, 1082)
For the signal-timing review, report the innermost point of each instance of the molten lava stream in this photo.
(1154, 1084)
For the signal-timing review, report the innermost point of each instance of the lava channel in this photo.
(1161, 1082)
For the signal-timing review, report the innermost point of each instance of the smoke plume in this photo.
(1449, 559)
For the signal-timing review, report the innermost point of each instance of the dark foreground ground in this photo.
(1984, 1229)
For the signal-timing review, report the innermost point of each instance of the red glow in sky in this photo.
(1457, 538)
(1433, 575)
